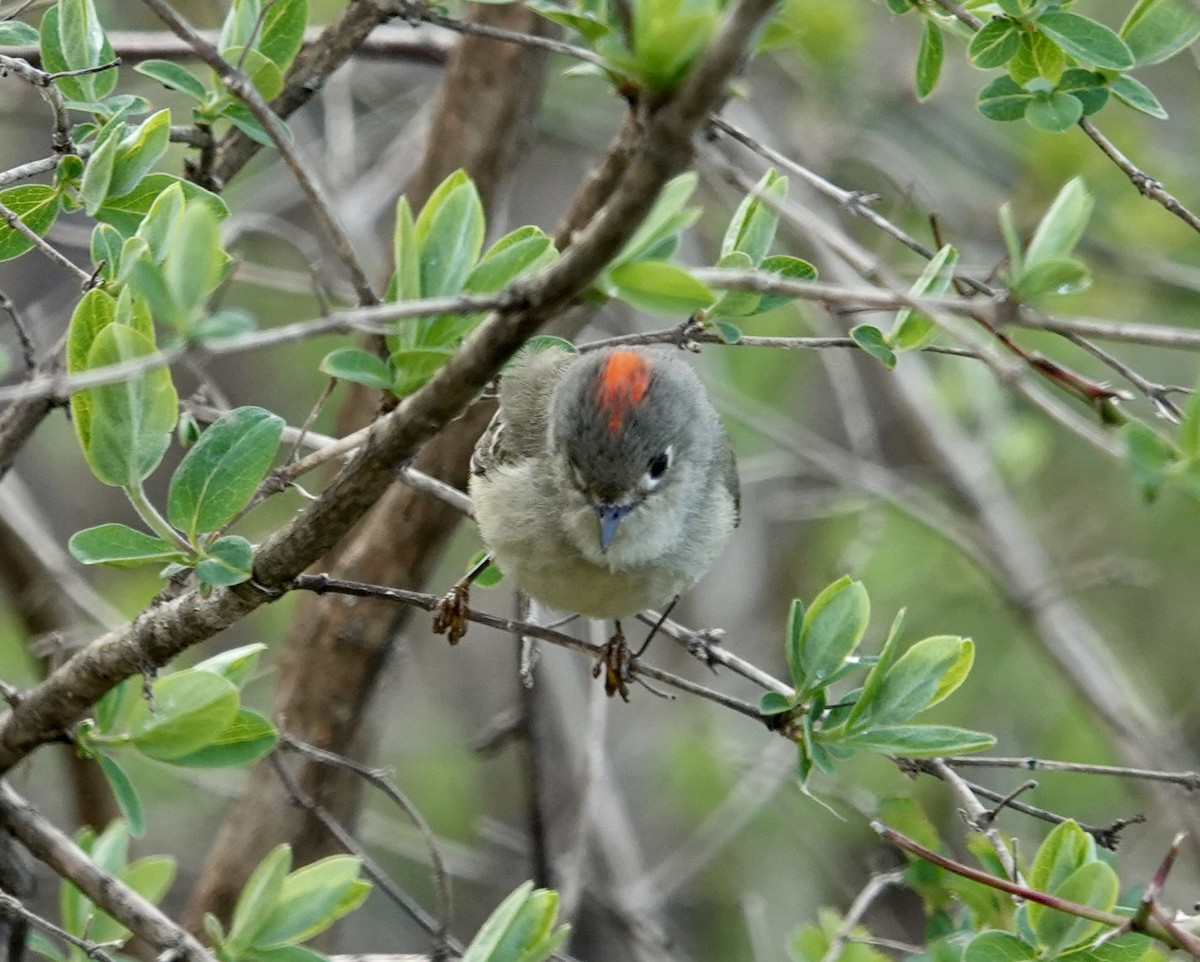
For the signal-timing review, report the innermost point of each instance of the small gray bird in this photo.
(605, 483)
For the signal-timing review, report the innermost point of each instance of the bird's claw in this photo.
(450, 615)
(701, 643)
(615, 661)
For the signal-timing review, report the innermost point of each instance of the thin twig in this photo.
(241, 87)
(335, 828)
(14, 221)
(1189, 780)
(322, 584)
(13, 908)
(875, 887)
(28, 354)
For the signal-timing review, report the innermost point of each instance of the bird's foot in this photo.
(450, 615)
(615, 661)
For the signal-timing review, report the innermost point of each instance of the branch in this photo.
(384, 43)
(49, 845)
(1189, 780)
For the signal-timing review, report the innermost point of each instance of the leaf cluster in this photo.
(877, 716)
(191, 718)
(1059, 65)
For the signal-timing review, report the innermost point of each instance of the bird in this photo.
(604, 485)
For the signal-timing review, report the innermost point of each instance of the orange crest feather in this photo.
(623, 382)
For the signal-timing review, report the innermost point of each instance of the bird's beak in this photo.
(610, 516)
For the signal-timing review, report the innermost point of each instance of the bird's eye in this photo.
(658, 465)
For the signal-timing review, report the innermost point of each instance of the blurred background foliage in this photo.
(701, 799)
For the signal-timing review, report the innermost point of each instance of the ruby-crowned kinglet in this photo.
(605, 484)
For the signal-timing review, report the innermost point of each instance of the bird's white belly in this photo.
(534, 553)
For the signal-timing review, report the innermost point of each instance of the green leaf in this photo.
(1130, 947)
(1095, 885)
(1086, 40)
(1062, 225)
(660, 287)
(73, 39)
(240, 26)
(1137, 95)
(1149, 456)
(127, 212)
(234, 665)
(754, 223)
(774, 703)
(736, 303)
(585, 23)
(282, 32)
(36, 206)
(1067, 848)
(450, 231)
(95, 311)
(161, 221)
(97, 175)
(490, 576)
(916, 680)
(414, 366)
(118, 546)
(406, 253)
(998, 947)
(238, 114)
(918, 741)
(1055, 112)
(912, 331)
(13, 33)
(524, 250)
(833, 627)
(668, 217)
(1038, 60)
(311, 899)
(929, 59)
(130, 422)
(261, 71)
(1004, 100)
(248, 737)
(1156, 30)
(223, 470)
(875, 677)
(872, 340)
(195, 263)
(995, 43)
(521, 928)
(788, 268)
(228, 561)
(1189, 429)
(126, 795)
(258, 898)
(728, 332)
(191, 709)
(139, 151)
(221, 324)
(80, 34)
(1065, 275)
(1086, 86)
(173, 77)
(105, 248)
(794, 642)
(112, 710)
